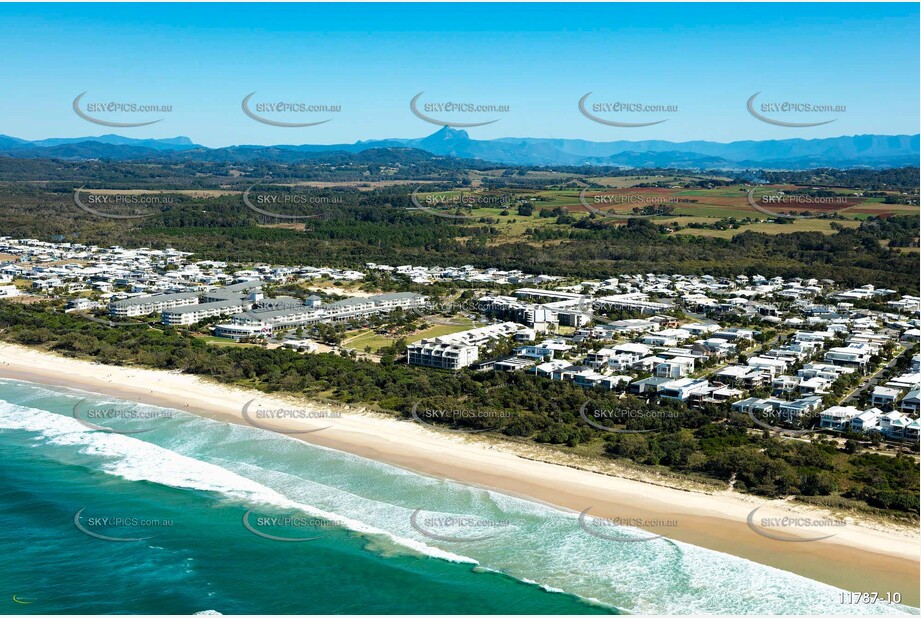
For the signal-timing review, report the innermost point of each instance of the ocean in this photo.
(189, 515)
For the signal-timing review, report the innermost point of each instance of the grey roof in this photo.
(220, 304)
(654, 381)
(287, 303)
(155, 298)
(395, 296)
(279, 307)
(352, 301)
(243, 286)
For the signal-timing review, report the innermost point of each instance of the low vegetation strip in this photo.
(706, 442)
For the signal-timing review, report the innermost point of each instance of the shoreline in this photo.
(887, 555)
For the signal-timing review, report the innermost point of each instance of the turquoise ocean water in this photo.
(221, 513)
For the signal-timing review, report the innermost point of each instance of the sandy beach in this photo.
(860, 556)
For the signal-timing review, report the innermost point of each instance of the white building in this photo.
(192, 314)
(884, 397)
(457, 350)
(855, 354)
(682, 389)
(677, 367)
(838, 418)
(145, 305)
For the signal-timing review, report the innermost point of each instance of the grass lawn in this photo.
(223, 341)
(368, 337)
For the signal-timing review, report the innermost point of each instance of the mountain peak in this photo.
(446, 133)
(877, 151)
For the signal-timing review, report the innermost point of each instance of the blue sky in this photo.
(371, 59)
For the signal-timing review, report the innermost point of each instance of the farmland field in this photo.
(684, 206)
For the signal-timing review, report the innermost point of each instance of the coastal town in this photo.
(320, 309)
(795, 355)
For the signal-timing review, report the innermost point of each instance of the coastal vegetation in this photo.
(707, 442)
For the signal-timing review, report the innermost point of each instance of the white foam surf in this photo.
(544, 546)
(136, 460)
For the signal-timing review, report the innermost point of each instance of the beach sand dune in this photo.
(860, 556)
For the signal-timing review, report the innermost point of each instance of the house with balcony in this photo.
(735, 334)
(794, 411)
(853, 355)
(677, 367)
(547, 350)
(698, 329)
(785, 384)
(626, 355)
(775, 366)
(569, 374)
(682, 389)
(837, 418)
(867, 421)
(814, 386)
(647, 363)
(912, 431)
(884, 397)
(893, 425)
(907, 381)
(647, 385)
(714, 394)
(823, 370)
(743, 376)
(600, 358)
(666, 338)
(588, 379)
(911, 403)
(546, 370)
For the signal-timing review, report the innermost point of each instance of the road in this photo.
(871, 379)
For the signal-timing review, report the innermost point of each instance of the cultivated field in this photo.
(676, 205)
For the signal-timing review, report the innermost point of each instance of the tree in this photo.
(525, 209)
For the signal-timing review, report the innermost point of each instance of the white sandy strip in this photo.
(888, 555)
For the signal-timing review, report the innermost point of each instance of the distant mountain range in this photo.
(873, 151)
